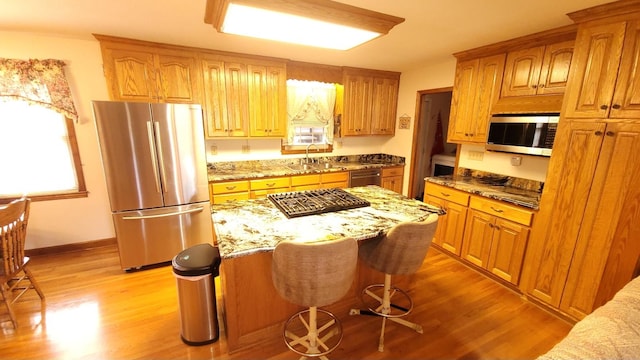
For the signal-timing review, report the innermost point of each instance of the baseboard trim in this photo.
(71, 247)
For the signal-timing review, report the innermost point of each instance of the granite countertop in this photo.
(522, 197)
(242, 170)
(250, 226)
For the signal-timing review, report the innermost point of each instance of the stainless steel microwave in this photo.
(523, 134)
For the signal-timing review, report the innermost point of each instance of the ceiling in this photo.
(432, 31)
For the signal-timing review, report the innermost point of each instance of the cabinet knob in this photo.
(598, 133)
(603, 107)
(610, 133)
(541, 86)
(491, 225)
(616, 106)
(534, 86)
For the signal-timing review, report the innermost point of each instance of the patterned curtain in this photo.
(38, 82)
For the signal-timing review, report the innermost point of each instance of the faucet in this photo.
(308, 146)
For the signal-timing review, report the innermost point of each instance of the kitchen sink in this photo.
(310, 166)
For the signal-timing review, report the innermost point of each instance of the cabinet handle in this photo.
(496, 210)
(610, 133)
(598, 133)
(497, 228)
(603, 107)
(541, 86)
(534, 86)
(271, 184)
(445, 194)
(230, 187)
(616, 106)
(491, 225)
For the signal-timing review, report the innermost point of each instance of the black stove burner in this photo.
(313, 202)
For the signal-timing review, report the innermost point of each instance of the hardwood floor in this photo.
(95, 310)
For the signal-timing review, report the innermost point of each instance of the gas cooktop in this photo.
(313, 202)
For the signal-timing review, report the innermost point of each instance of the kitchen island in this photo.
(248, 231)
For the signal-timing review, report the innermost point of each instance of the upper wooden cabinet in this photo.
(370, 102)
(226, 97)
(476, 88)
(142, 73)
(541, 70)
(244, 97)
(604, 81)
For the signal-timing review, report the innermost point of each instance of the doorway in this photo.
(432, 107)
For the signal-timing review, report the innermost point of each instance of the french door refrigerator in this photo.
(155, 167)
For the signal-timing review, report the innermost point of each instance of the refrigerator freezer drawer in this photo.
(153, 236)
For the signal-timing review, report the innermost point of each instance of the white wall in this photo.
(59, 222)
(532, 167)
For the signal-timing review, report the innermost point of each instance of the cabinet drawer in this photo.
(305, 180)
(395, 171)
(273, 183)
(334, 177)
(337, 184)
(229, 187)
(447, 193)
(224, 198)
(502, 210)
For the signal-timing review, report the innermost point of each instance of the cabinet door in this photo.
(442, 220)
(477, 238)
(237, 97)
(393, 183)
(626, 98)
(454, 230)
(508, 244)
(215, 97)
(593, 71)
(556, 225)
(177, 78)
(462, 100)
(131, 74)
(614, 196)
(358, 92)
(267, 100)
(384, 103)
(522, 71)
(490, 73)
(554, 72)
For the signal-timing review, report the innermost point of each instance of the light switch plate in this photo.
(476, 155)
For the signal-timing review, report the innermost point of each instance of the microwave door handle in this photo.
(154, 159)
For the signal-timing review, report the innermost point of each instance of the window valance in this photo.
(38, 82)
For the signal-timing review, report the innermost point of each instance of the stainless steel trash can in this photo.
(195, 270)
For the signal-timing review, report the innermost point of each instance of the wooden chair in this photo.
(313, 275)
(15, 277)
(400, 252)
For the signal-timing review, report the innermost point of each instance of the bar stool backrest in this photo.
(403, 249)
(314, 273)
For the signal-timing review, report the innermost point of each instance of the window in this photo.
(38, 153)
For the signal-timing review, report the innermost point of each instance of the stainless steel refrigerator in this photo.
(155, 166)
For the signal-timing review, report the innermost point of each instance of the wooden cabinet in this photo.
(370, 102)
(476, 88)
(450, 226)
(495, 238)
(267, 100)
(260, 188)
(604, 83)
(305, 182)
(334, 180)
(582, 249)
(392, 178)
(541, 70)
(226, 191)
(146, 74)
(226, 97)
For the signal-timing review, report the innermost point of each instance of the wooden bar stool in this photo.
(400, 252)
(312, 275)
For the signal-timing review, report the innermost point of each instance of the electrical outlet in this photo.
(213, 150)
(516, 160)
(476, 155)
(245, 149)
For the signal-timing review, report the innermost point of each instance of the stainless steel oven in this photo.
(365, 177)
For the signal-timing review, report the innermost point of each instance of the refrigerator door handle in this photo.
(143, 217)
(154, 160)
(163, 171)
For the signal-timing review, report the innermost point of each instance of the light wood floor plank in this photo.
(95, 310)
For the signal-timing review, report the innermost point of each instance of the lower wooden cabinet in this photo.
(450, 226)
(494, 243)
(225, 191)
(260, 188)
(334, 180)
(392, 178)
